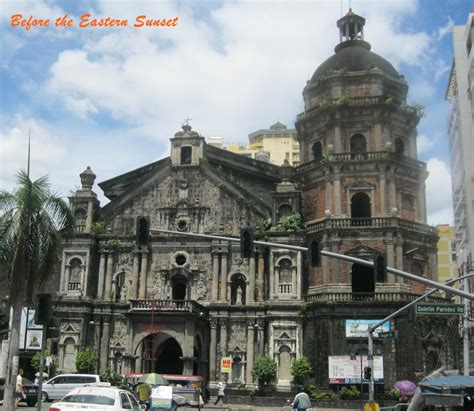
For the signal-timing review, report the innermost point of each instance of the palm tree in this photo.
(32, 223)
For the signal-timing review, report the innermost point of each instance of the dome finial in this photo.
(351, 27)
(186, 126)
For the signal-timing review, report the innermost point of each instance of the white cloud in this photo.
(444, 30)
(438, 193)
(424, 144)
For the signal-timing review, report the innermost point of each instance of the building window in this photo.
(358, 147)
(186, 153)
(399, 147)
(360, 206)
(74, 283)
(178, 287)
(285, 277)
(317, 151)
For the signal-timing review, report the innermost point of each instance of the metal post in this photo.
(40, 383)
(466, 331)
(370, 358)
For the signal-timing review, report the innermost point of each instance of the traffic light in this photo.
(246, 243)
(367, 373)
(380, 268)
(52, 331)
(43, 309)
(315, 254)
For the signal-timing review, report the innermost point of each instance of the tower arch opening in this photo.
(178, 287)
(360, 206)
(358, 147)
(317, 151)
(399, 147)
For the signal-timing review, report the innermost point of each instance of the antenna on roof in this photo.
(29, 144)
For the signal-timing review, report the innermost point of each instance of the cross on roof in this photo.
(186, 121)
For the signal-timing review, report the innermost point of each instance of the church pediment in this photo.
(362, 250)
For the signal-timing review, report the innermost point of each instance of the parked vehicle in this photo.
(188, 386)
(98, 397)
(57, 387)
(30, 391)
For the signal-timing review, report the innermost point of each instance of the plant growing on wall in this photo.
(300, 370)
(262, 225)
(98, 227)
(264, 370)
(290, 224)
(86, 361)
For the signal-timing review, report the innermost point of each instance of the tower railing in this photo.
(384, 296)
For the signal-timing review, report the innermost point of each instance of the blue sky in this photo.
(112, 97)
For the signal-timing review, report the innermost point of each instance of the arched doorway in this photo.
(362, 279)
(160, 353)
(179, 285)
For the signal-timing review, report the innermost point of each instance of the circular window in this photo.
(180, 259)
(182, 225)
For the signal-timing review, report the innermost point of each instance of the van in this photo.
(57, 387)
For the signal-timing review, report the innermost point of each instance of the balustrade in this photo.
(167, 305)
(375, 296)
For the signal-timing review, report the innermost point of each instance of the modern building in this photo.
(275, 145)
(152, 301)
(460, 91)
(447, 257)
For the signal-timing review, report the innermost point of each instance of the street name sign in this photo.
(388, 334)
(439, 309)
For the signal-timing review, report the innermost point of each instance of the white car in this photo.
(98, 398)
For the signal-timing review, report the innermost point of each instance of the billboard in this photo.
(31, 334)
(358, 328)
(344, 370)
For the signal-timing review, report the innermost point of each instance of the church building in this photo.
(156, 302)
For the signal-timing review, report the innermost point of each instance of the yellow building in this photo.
(274, 145)
(447, 264)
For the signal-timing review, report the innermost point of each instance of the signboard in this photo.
(161, 397)
(387, 335)
(344, 370)
(226, 364)
(359, 328)
(31, 334)
(439, 309)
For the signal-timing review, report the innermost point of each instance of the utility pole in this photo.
(465, 329)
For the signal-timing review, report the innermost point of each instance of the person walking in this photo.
(220, 393)
(144, 391)
(19, 387)
(301, 402)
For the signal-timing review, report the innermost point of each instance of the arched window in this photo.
(69, 362)
(358, 147)
(74, 282)
(360, 207)
(317, 151)
(238, 290)
(80, 216)
(186, 153)
(285, 277)
(399, 147)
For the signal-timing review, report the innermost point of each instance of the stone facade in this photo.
(150, 301)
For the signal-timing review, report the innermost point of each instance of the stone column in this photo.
(261, 271)
(272, 276)
(390, 259)
(138, 361)
(383, 205)
(250, 353)
(143, 272)
(337, 194)
(337, 139)
(324, 261)
(213, 352)
(100, 285)
(251, 293)
(400, 259)
(215, 277)
(223, 341)
(108, 277)
(68, 276)
(223, 284)
(134, 291)
(422, 202)
(392, 194)
(327, 183)
(335, 262)
(104, 346)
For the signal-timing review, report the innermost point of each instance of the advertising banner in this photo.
(358, 328)
(344, 370)
(226, 364)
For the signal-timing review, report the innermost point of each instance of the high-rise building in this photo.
(461, 142)
(274, 145)
(447, 257)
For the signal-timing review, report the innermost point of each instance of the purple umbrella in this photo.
(405, 387)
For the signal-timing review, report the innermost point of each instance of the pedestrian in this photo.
(220, 393)
(301, 402)
(19, 387)
(144, 392)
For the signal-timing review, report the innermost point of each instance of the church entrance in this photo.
(161, 353)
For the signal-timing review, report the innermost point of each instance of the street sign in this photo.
(439, 309)
(388, 334)
(226, 364)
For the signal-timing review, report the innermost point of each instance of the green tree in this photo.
(264, 370)
(35, 361)
(111, 376)
(300, 370)
(32, 223)
(86, 361)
